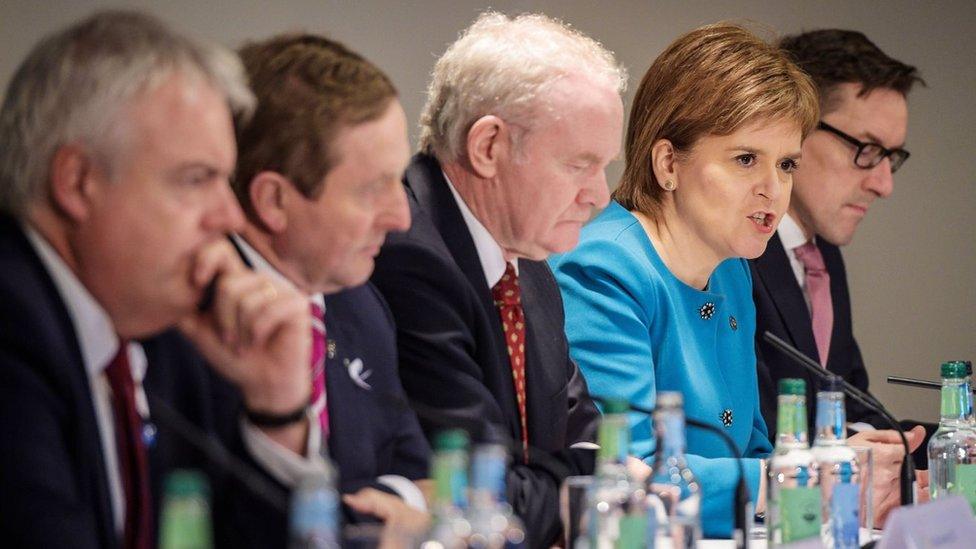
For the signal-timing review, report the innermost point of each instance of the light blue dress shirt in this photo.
(635, 329)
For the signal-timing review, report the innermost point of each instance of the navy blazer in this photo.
(453, 358)
(782, 310)
(53, 486)
(371, 431)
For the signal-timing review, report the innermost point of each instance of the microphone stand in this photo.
(742, 496)
(866, 400)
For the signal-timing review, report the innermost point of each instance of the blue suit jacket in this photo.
(635, 329)
(53, 486)
(453, 358)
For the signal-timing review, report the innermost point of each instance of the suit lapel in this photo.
(430, 188)
(777, 277)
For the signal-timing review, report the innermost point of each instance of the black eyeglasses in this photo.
(869, 155)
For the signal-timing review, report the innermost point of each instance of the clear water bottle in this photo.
(952, 449)
(793, 489)
(672, 486)
(617, 502)
(185, 520)
(449, 528)
(493, 524)
(314, 519)
(839, 469)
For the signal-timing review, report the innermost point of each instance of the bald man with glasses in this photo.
(799, 283)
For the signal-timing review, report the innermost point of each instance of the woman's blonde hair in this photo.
(712, 81)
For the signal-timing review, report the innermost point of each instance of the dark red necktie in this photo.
(133, 460)
(508, 299)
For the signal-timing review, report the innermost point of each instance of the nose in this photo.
(396, 215)
(774, 183)
(595, 192)
(224, 214)
(879, 179)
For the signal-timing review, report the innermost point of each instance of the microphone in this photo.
(742, 495)
(866, 400)
(215, 452)
(923, 383)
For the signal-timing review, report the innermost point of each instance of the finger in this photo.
(915, 437)
(279, 314)
(231, 290)
(216, 258)
(254, 299)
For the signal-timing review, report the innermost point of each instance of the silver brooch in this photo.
(707, 310)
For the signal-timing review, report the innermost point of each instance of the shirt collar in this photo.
(96, 335)
(262, 265)
(790, 233)
(489, 252)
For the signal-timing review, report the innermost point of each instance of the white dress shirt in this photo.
(404, 487)
(99, 344)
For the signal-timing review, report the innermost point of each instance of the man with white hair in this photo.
(523, 116)
(116, 145)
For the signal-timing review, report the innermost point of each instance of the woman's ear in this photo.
(664, 158)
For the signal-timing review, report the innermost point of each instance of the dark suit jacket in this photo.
(782, 310)
(53, 486)
(453, 360)
(371, 430)
(370, 433)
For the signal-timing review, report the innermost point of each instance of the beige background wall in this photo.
(912, 266)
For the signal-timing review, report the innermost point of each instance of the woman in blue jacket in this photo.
(657, 294)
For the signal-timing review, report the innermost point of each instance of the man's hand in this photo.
(887, 456)
(638, 469)
(257, 334)
(922, 481)
(402, 524)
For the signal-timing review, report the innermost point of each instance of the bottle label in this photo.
(966, 482)
(633, 532)
(844, 511)
(800, 513)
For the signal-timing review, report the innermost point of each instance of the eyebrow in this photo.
(752, 150)
(871, 138)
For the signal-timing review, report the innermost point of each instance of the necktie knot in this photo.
(506, 292)
(811, 258)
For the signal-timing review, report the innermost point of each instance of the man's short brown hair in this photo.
(712, 81)
(308, 88)
(837, 56)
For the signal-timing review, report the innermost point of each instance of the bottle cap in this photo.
(792, 386)
(954, 369)
(615, 406)
(186, 482)
(832, 384)
(453, 439)
(669, 399)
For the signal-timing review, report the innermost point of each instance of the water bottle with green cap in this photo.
(185, 520)
(450, 528)
(793, 484)
(952, 449)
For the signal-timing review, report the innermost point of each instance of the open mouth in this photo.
(763, 219)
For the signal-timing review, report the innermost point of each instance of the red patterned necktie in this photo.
(817, 282)
(508, 299)
(318, 368)
(133, 460)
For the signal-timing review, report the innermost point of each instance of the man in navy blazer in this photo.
(319, 174)
(116, 144)
(522, 117)
(847, 164)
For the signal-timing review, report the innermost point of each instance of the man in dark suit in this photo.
(116, 143)
(800, 285)
(318, 174)
(522, 118)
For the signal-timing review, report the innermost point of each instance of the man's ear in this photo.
(74, 179)
(267, 194)
(488, 140)
(664, 159)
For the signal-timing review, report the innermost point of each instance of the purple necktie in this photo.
(818, 290)
(133, 459)
(318, 368)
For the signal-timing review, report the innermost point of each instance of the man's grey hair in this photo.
(503, 66)
(74, 87)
